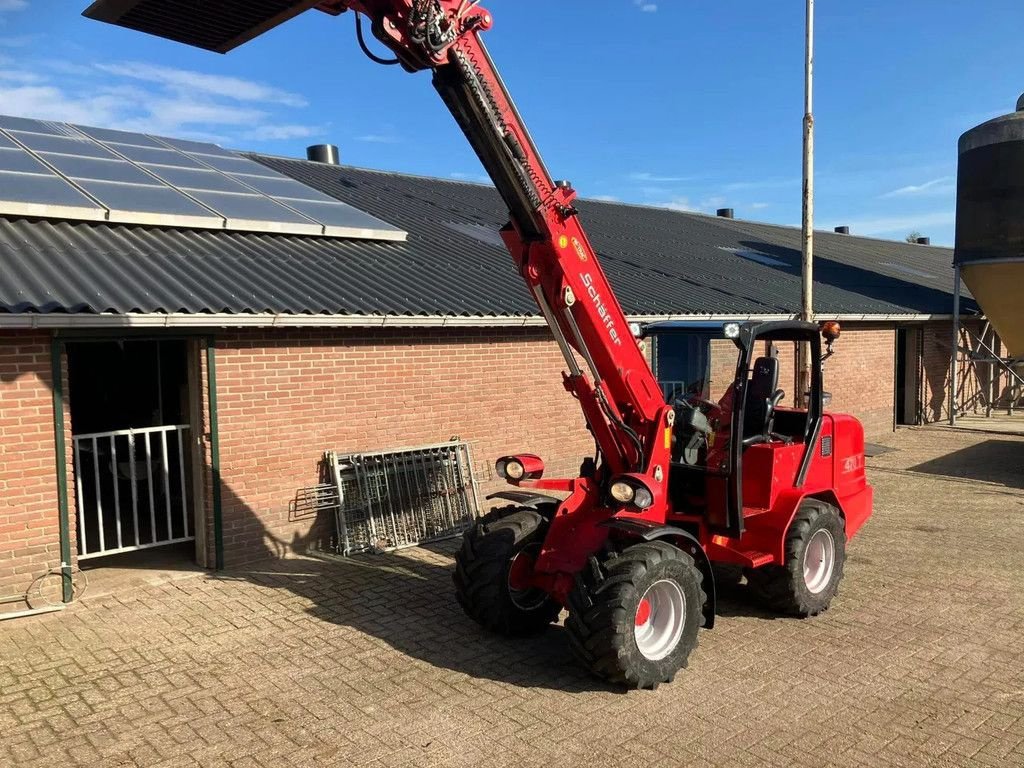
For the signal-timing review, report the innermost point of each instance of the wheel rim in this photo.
(660, 619)
(819, 561)
(520, 573)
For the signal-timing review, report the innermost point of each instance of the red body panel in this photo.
(771, 497)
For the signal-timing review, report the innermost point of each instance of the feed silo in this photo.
(989, 252)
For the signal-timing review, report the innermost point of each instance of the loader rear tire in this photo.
(484, 576)
(815, 554)
(633, 619)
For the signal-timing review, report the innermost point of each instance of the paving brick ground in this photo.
(920, 661)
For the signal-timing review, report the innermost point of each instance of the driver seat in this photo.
(763, 395)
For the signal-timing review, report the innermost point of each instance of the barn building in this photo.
(233, 354)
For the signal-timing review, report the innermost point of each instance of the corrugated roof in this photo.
(660, 262)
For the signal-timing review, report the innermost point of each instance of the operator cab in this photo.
(723, 382)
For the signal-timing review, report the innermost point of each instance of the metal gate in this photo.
(393, 499)
(130, 490)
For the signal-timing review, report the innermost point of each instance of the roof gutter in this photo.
(228, 320)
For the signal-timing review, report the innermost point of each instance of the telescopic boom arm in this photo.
(621, 398)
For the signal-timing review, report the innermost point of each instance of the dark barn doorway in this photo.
(129, 406)
(908, 386)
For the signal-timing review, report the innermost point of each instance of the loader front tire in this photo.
(495, 552)
(815, 554)
(633, 619)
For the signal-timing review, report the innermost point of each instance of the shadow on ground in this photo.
(991, 461)
(405, 599)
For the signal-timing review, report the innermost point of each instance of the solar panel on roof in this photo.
(197, 178)
(229, 164)
(35, 195)
(279, 187)
(259, 213)
(155, 156)
(109, 136)
(66, 145)
(144, 204)
(60, 170)
(20, 161)
(97, 168)
(335, 218)
(36, 126)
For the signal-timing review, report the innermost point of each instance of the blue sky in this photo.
(690, 105)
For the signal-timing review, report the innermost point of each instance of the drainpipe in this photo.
(956, 346)
(66, 587)
(218, 522)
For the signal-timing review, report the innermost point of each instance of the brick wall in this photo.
(29, 522)
(861, 375)
(975, 382)
(285, 397)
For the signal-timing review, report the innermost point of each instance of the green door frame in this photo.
(60, 456)
(60, 446)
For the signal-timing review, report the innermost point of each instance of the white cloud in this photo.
(283, 132)
(759, 206)
(739, 186)
(17, 41)
(605, 198)
(147, 98)
(645, 6)
(20, 76)
(475, 177)
(901, 224)
(378, 138)
(46, 102)
(188, 81)
(655, 178)
(13, 5)
(940, 186)
(677, 204)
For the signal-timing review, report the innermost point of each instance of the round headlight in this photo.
(514, 470)
(731, 330)
(642, 498)
(622, 491)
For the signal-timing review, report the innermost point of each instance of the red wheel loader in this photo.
(679, 481)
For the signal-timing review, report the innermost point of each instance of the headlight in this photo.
(642, 498)
(632, 490)
(622, 491)
(520, 466)
(514, 470)
(731, 330)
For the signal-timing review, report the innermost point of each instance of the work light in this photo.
(632, 490)
(524, 466)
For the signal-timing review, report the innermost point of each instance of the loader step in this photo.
(757, 559)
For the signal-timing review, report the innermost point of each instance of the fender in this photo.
(767, 532)
(535, 501)
(686, 541)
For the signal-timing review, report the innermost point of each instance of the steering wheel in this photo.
(707, 407)
(690, 442)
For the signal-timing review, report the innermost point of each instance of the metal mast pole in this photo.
(807, 223)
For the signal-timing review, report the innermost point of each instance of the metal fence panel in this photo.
(110, 467)
(392, 499)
